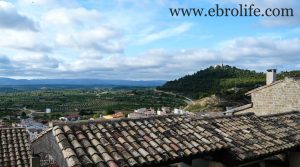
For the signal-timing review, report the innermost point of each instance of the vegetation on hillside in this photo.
(214, 80)
(295, 74)
(226, 82)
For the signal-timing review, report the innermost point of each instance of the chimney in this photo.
(271, 76)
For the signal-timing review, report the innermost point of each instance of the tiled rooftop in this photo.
(290, 118)
(251, 137)
(134, 142)
(14, 148)
(164, 139)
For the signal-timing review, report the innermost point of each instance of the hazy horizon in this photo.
(83, 78)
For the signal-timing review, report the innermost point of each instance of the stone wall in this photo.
(48, 145)
(281, 97)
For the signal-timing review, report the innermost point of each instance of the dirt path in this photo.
(187, 100)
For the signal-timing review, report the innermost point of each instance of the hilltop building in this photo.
(275, 97)
(48, 110)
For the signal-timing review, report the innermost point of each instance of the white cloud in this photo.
(72, 18)
(34, 61)
(11, 19)
(32, 65)
(166, 33)
(38, 2)
(24, 40)
(47, 3)
(103, 39)
(248, 52)
(82, 29)
(128, 42)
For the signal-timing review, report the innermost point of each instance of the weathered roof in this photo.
(135, 142)
(14, 148)
(251, 137)
(290, 118)
(164, 139)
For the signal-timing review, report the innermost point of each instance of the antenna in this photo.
(222, 63)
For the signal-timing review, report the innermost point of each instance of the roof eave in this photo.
(263, 87)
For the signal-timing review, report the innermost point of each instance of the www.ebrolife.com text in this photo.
(242, 10)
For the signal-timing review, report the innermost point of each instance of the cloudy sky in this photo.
(139, 40)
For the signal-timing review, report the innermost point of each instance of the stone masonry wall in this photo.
(47, 144)
(278, 98)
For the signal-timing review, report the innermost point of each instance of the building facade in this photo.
(276, 97)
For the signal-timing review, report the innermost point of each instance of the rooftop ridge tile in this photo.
(54, 123)
(163, 139)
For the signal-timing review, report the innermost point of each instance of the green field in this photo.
(85, 101)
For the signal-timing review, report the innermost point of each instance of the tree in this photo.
(55, 116)
(45, 117)
(82, 112)
(108, 111)
(23, 115)
(97, 115)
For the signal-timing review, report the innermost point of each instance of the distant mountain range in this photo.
(83, 82)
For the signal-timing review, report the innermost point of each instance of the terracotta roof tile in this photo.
(137, 142)
(132, 142)
(250, 136)
(14, 148)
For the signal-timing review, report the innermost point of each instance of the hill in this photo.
(224, 82)
(215, 80)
